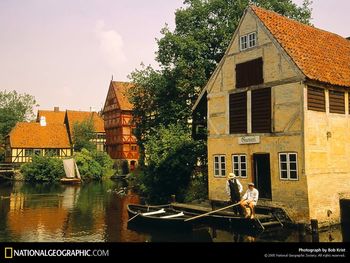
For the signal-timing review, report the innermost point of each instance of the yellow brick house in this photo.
(278, 115)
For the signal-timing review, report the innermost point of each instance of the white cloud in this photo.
(111, 45)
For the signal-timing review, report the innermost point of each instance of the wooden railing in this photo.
(7, 167)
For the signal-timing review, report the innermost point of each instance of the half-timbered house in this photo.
(37, 138)
(118, 120)
(278, 115)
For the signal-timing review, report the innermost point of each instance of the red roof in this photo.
(121, 89)
(320, 55)
(32, 135)
(51, 116)
(80, 116)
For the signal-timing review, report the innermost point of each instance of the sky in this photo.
(65, 52)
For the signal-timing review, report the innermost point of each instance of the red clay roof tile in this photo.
(51, 116)
(80, 116)
(32, 135)
(121, 89)
(320, 55)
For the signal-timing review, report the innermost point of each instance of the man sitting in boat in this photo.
(234, 189)
(250, 199)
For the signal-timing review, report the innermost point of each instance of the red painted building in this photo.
(117, 114)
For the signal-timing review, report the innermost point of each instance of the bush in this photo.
(171, 156)
(197, 189)
(121, 166)
(93, 164)
(43, 168)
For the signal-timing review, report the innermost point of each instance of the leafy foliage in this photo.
(197, 188)
(14, 107)
(164, 98)
(188, 56)
(93, 164)
(171, 155)
(43, 168)
(83, 132)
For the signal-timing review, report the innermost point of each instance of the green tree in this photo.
(93, 165)
(188, 56)
(171, 156)
(14, 107)
(83, 132)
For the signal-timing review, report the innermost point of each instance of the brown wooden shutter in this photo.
(336, 102)
(261, 110)
(238, 112)
(249, 73)
(316, 99)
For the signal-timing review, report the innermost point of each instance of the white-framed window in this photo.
(239, 164)
(219, 165)
(288, 163)
(247, 41)
(252, 39)
(244, 42)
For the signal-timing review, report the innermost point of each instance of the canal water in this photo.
(96, 212)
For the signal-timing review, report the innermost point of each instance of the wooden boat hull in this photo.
(70, 181)
(138, 215)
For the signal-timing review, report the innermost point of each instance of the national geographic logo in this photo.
(11, 253)
(8, 252)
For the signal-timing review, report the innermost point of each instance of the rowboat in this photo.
(173, 216)
(161, 216)
(176, 215)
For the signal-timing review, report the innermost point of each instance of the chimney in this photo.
(56, 109)
(42, 121)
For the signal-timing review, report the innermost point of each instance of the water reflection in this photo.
(39, 212)
(97, 212)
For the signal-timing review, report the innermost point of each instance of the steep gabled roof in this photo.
(121, 89)
(51, 116)
(320, 55)
(32, 135)
(98, 122)
(80, 116)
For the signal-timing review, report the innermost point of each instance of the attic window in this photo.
(247, 41)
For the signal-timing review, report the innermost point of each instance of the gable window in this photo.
(244, 42)
(239, 163)
(219, 165)
(316, 99)
(252, 39)
(288, 166)
(249, 73)
(261, 110)
(238, 112)
(247, 41)
(336, 102)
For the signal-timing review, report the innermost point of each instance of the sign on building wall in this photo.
(248, 139)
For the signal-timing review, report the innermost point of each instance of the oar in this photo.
(133, 217)
(211, 212)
